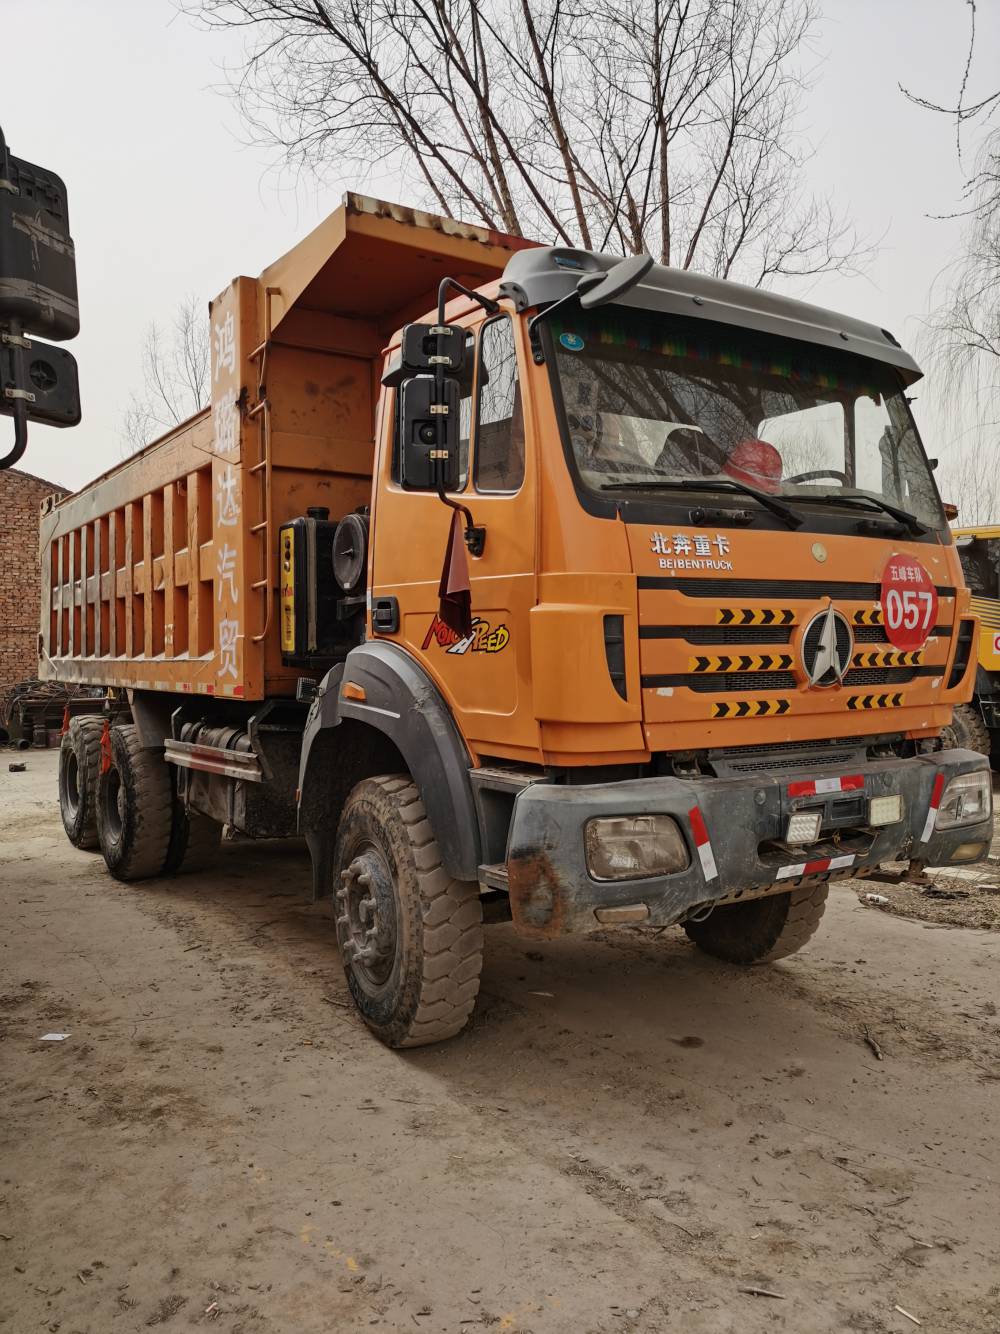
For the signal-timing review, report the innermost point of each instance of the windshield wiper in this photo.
(908, 520)
(783, 512)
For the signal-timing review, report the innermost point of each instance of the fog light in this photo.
(968, 852)
(632, 847)
(804, 827)
(967, 800)
(627, 912)
(885, 810)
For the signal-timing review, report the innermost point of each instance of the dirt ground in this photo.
(628, 1137)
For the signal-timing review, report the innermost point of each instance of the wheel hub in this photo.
(366, 915)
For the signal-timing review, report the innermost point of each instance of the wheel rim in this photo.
(366, 920)
(114, 803)
(71, 784)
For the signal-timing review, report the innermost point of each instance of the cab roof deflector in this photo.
(538, 277)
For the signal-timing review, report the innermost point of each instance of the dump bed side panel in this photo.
(153, 575)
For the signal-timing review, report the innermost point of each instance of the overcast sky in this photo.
(165, 200)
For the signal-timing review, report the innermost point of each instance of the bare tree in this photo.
(662, 125)
(175, 373)
(962, 336)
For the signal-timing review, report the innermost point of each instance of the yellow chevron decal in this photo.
(888, 658)
(741, 662)
(755, 616)
(750, 708)
(874, 701)
(870, 616)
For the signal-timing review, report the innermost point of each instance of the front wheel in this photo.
(966, 731)
(410, 936)
(761, 930)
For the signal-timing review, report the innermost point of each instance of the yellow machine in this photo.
(977, 724)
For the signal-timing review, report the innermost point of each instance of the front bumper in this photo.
(552, 892)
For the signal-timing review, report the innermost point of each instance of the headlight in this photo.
(967, 799)
(631, 847)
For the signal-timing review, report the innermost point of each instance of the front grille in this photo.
(781, 755)
(769, 588)
(881, 676)
(875, 634)
(719, 634)
(718, 683)
(869, 634)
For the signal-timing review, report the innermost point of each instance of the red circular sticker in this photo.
(909, 602)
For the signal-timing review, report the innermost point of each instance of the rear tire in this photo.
(79, 770)
(135, 802)
(761, 930)
(410, 936)
(966, 731)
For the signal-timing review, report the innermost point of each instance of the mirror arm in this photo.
(491, 307)
(19, 406)
(20, 413)
(475, 534)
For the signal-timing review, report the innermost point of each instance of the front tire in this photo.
(410, 936)
(79, 770)
(966, 731)
(761, 930)
(135, 802)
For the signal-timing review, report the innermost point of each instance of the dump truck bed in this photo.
(161, 574)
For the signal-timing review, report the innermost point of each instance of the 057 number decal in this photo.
(909, 602)
(910, 609)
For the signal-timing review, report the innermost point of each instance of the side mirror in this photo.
(425, 346)
(950, 511)
(38, 294)
(43, 377)
(429, 435)
(598, 289)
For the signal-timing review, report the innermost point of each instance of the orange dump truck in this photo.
(524, 583)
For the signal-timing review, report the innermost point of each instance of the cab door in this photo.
(486, 676)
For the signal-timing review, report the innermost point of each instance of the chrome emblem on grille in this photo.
(827, 647)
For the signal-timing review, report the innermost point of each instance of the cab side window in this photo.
(499, 418)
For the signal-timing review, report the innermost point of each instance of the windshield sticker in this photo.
(696, 551)
(485, 638)
(691, 347)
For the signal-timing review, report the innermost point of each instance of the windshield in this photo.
(651, 399)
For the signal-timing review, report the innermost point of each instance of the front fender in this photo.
(402, 704)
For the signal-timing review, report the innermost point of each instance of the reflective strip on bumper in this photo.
(810, 788)
(932, 809)
(702, 843)
(814, 868)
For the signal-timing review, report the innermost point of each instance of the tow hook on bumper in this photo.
(733, 830)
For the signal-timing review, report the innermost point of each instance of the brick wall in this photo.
(20, 497)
